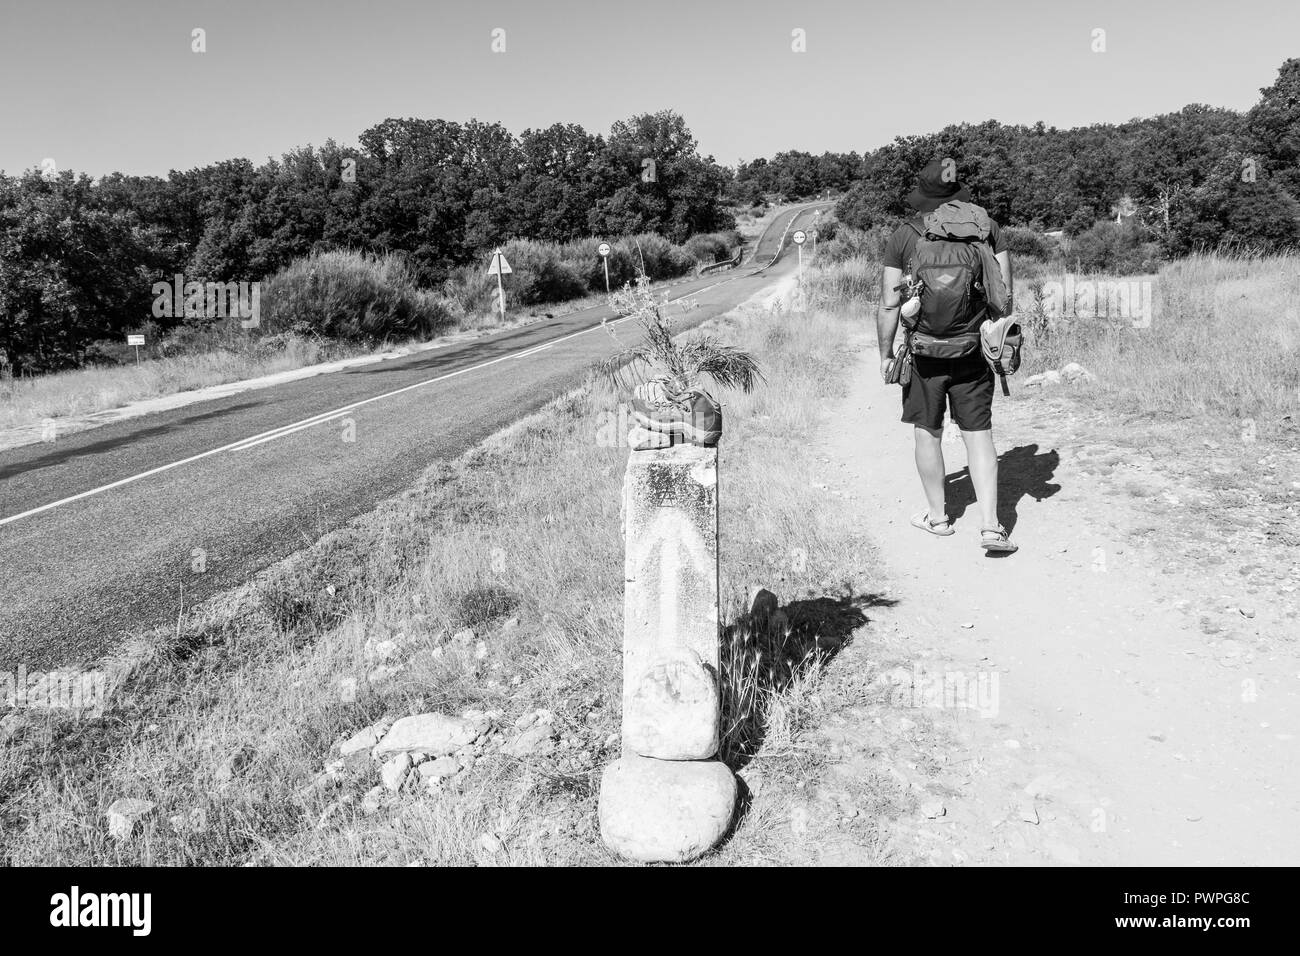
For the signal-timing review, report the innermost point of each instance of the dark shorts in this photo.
(964, 385)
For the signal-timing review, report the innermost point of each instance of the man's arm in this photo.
(1004, 265)
(887, 315)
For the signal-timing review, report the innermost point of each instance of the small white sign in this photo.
(603, 248)
(135, 340)
(499, 266)
(799, 237)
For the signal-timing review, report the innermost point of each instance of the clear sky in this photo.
(103, 85)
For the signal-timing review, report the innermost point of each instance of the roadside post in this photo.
(603, 249)
(669, 798)
(137, 341)
(800, 237)
(498, 268)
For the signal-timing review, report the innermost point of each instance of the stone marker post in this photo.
(668, 798)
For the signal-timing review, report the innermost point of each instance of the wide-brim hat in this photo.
(933, 190)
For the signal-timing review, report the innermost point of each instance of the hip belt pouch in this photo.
(950, 347)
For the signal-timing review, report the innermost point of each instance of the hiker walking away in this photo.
(944, 267)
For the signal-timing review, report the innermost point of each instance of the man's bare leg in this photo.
(982, 460)
(929, 465)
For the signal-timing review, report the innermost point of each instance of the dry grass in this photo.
(850, 283)
(25, 401)
(525, 526)
(1224, 342)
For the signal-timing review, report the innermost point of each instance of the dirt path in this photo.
(1101, 725)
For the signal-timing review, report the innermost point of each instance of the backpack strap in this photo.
(920, 235)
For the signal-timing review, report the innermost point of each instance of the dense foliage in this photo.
(1199, 178)
(794, 175)
(78, 257)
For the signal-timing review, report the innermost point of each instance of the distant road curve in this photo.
(774, 237)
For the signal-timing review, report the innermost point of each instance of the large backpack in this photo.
(959, 279)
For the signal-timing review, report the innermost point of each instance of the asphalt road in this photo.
(254, 477)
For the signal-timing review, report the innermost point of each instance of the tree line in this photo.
(794, 175)
(78, 256)
(1202, 177)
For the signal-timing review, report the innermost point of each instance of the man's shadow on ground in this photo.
(1022, 471)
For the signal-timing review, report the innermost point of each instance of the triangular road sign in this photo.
(499, 266)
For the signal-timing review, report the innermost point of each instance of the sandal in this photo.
(922, 521)
(997, 540)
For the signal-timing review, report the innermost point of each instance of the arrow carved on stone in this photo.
(680, 550)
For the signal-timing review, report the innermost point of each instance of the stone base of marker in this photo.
(665, 811)
(664, 800)
(671, 712)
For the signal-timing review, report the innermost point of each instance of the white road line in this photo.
(284, 430)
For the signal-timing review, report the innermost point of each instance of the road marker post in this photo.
(603, 249)
(799, 238)
(669, 798)
(499, 267)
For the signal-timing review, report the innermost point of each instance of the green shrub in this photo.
(352, 297)
(828, 227)
(468, 290)
(108, 352)
(662, 259)
(1023, 241)
(710, 247)
(1114, 248)
(852, 243)
(540, 274)
(582, 257)
(622, 269)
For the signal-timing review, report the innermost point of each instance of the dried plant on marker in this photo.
(683, 364)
